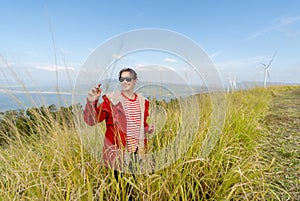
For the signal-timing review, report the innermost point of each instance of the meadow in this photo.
(256, 158)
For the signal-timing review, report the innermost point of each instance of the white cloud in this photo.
(280, 23)
(55, 68)
(170, 60)
(154, 68)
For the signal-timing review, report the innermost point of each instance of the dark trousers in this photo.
(118, 174)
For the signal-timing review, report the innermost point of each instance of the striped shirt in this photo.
(133, 118)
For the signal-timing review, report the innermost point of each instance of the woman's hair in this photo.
(131, 71)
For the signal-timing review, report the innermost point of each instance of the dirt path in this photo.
(283, 144)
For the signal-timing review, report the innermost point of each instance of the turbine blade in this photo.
(271, 59)
(263, 64)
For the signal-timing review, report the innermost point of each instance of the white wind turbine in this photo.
(231, 83)
(266, 70)
(234, 82)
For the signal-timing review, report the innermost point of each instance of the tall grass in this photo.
(52, 164)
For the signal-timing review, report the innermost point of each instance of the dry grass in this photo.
(245, 164)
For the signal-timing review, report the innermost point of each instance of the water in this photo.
(14, 101)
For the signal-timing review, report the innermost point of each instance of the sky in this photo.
(42, 39)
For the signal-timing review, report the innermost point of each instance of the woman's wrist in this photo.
(92, 101)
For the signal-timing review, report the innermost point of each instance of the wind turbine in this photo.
(266, 70)
(234, 82)
(231, 83)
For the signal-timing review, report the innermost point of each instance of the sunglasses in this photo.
(128, 79)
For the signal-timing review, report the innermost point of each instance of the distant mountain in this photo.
(248, 84)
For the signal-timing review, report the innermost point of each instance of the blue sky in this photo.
(237, 35)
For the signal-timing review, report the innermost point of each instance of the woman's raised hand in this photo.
(94, 93)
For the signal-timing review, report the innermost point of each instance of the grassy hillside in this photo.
(281, 144)
(256, 158)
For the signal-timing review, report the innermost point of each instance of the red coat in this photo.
(113, 113)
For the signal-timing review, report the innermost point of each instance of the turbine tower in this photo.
(266, 70)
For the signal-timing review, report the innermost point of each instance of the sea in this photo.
(20, 100)
(16, 99)
(23, 101)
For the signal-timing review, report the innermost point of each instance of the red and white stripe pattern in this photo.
(133, 117)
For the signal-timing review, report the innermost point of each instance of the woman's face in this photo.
(125, 83)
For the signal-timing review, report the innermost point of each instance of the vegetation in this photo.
(256, 158)
(281, 143)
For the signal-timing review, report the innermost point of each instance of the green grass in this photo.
(251, 161)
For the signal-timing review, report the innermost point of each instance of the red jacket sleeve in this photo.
(94, 113)
(146, 126)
